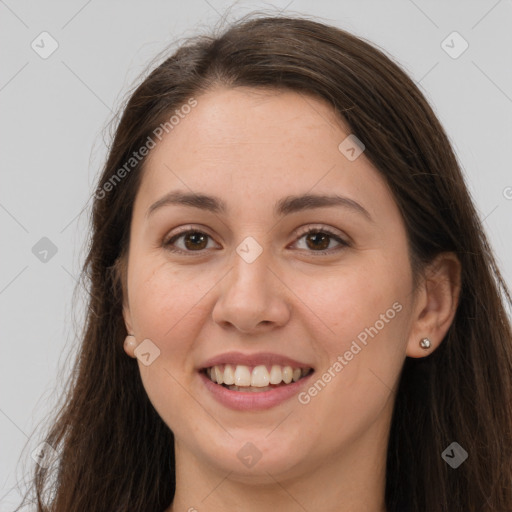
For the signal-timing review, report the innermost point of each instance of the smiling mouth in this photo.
(254, 379)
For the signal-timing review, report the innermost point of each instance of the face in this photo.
(246, 285)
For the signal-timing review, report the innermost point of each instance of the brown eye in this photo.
(193, 241)
(318, 241)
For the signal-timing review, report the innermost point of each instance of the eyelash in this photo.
(168, 243)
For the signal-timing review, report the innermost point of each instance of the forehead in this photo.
(243, 121)
(253, 143)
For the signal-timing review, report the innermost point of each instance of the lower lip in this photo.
(253, 401)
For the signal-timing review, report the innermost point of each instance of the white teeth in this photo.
(260, 377)
(276, 375)
(218, 375)
(287, 374)
(241, 376)
(229, 375)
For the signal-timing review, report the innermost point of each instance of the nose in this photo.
(252, 297)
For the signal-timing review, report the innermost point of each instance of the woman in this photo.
(292, 299)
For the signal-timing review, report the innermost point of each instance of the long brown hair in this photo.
(117, 454)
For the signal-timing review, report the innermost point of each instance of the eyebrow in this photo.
(285, 206)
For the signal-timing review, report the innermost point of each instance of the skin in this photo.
(252, 147)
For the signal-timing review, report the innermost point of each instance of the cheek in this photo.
(364, 356)
(167, 307)
(170, 306)
(348, 299)
(363, 330)
(166, 303)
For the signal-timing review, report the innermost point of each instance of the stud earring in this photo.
(130, 343)
(425, 343)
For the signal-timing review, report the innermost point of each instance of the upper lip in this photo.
(262, 358)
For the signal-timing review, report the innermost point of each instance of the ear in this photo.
(121, 285)
(127, 318)
(130, 342)
(436, 302)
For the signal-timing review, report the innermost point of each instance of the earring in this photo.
(425, 343)
(130, 343)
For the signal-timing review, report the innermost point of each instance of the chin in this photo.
(256, 458)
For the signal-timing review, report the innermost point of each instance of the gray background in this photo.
(54, 115)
